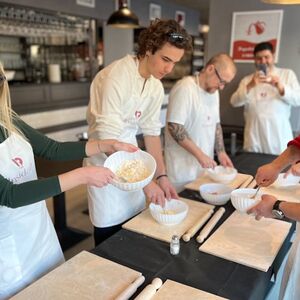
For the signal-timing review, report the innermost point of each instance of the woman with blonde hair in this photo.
(28, 243)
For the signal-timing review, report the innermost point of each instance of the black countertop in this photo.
(192, 267)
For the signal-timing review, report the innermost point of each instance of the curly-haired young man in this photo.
(126, 96)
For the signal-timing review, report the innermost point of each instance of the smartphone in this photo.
(262, 68)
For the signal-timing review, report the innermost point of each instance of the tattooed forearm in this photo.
(178, 132)
(219, 142)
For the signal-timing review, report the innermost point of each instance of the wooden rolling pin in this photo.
(131, 289)
(149, 291)
(191, 232)
(210, 225)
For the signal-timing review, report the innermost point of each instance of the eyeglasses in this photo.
(2, 79)
(221, 80)
(177, 37)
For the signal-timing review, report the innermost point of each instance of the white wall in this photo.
(118, 43)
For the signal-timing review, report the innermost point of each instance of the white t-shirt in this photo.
(121, 102)
(267, 113)
(198, 111)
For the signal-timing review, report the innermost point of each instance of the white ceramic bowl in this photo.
(290, 180)
(114, 161)
(241, 199)
(222, 174)
(173, 213)
(215, 193)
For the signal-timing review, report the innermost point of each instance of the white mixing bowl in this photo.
(222, 174)
(242, 201)
(282, 182)
(215, 193)
(173, 213)
(115, 161)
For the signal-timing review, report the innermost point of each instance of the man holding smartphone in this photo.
(268, 95)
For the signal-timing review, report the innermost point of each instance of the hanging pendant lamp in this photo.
(282, 1)
(123, 18)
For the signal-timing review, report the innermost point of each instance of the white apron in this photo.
(183, 167)
(109, 206)
(290, 285)
(267, 124)
(29, 247)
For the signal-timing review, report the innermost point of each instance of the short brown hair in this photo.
(160, 32)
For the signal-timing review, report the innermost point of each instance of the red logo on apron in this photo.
(18, 161)
(138, 114)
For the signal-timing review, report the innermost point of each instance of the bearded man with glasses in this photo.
(193, 129)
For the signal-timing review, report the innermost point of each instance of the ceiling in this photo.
(201, 5)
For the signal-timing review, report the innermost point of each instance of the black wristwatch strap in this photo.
(276, 205)
(276, 211)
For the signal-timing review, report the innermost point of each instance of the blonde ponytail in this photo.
(7, 115)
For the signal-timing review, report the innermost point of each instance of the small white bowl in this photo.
(222, 174)
(114, 161)
(173, 213)
(241, 199)
(215, 193)
(290, 180)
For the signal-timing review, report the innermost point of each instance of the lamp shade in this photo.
(123, 18)
(282, 1)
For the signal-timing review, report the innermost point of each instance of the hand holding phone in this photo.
(262, 68)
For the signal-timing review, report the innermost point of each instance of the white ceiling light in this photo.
(204, 28)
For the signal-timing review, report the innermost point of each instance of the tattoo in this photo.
(178, 132)
(219, 142)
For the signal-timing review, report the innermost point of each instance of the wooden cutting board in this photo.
(244, 240)
(252, 184)
(172, 290)
(85, 276)
(240, 180)
(290, 193)
(145, 224)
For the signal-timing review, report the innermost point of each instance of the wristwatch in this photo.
(276, 211)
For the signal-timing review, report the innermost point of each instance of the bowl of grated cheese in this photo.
(173, 213)
(134, 170)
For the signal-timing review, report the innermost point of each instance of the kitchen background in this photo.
(76, 38)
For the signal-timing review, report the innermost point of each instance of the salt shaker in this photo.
(175, 245)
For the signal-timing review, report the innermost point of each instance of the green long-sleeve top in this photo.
(17, 195)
